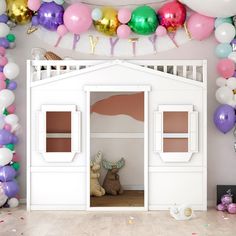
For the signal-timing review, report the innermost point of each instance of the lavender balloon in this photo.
(221, 207)
(7, 173)
(3, 18)
(10, 188)
(6, 137)
(4, 43)
(224, 118)
(232, 208)
(50, 15)
(226, 199)
(12, 85)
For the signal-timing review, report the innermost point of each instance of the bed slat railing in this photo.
(191, 69)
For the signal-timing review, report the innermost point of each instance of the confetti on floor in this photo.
(194, 234)
(206, 225)
(1, 221)
(131, 220)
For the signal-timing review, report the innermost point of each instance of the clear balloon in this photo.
(224, 95)
(200, 27)
(5, 156)
(11, 70)
(172, 15)
(225, 33)
(224, 118)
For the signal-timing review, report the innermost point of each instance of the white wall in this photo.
(221, 155)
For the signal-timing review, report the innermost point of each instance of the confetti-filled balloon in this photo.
(18, 11)
(143, 20)
(109, 22)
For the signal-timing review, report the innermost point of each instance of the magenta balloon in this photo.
(77, 18)
(10, 188)
(226, 68)
(7, 173)
(200, 27)
(232, 208)
(224, 118)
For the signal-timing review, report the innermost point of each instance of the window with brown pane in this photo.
(58, 131)
(175, 131)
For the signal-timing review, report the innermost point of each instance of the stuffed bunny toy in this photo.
(111, 182)
(95, 187)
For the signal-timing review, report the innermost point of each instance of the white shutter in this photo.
(76, 131)
(158, 127)
(41, 134)
(193, 131)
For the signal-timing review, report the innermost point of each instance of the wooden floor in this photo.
(130, 198)
(19, 222)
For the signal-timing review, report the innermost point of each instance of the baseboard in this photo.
(133, 187)
(22, 201)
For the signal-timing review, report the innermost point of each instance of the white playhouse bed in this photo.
(165, 153)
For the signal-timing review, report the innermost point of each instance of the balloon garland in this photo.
(224, 116)
(9, 126)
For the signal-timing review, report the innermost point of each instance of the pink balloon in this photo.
(200, 27)
(34, 5)
(16, 157)
(161, 31)
(226, 68)
(2, 51)
(11, 109)
(7, 127)
(3, 61)
(123, 31)
(2, 84)
(62, 30)
(124, 15)
(2, 76)
(77, 18)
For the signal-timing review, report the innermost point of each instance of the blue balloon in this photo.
(223, 50)
(220, 20)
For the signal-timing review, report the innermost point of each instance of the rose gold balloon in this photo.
(172, 15)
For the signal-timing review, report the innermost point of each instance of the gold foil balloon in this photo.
(108, 23)
(18, 11)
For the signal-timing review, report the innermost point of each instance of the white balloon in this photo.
(3, 7)
(3, 197)
(11, 119)
(11, 70)
(231, 82)
(4, 30)
(2, 121)
(220, 82)
(213, 8)
(5, 156)
(7, 97)
(224, 95)
(232, 56)
(225, 33)
(13, 202)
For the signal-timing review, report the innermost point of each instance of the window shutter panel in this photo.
(76, 131)
(158, 126)
(193, 132)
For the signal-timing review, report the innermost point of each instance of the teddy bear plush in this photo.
(95, 188)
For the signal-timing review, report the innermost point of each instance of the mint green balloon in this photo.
(144, 20)
(223, 50)
(220, 20)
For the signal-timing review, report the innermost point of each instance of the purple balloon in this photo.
(233, 42)
(50, 15)
(10, 188)
(7, 173)
(234, 75)
(224, 118)
(1, 68)
(3, 18)
(15, 139)
(232, 208)
(35, 21)
(6, 137)
(221, 207)
(4, 43)
(12, 85)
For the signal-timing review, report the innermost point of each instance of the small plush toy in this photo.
(111, 182)
(95, 187)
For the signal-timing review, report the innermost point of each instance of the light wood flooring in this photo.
(130, 198)
(18, 222)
